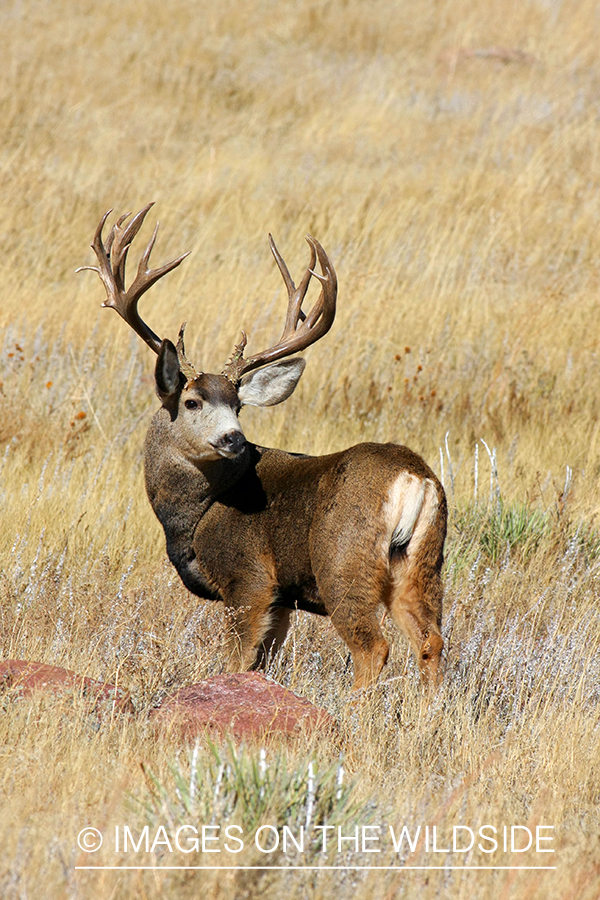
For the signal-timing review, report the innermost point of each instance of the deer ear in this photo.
(167, 374)
(272, 384)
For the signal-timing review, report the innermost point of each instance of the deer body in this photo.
(268, 532)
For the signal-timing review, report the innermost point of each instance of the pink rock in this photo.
(246, 705)
(24, 679)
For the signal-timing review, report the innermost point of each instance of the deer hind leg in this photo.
(415, 605)
(367, 645)
(416, 591)
(353, 610)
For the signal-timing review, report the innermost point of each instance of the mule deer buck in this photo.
(266, 531)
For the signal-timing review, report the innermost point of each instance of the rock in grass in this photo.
(246, 706)
(22, 678)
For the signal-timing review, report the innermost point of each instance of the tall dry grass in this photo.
(458, 194)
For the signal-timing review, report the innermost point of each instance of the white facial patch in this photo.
(200, 430)
(218, 421)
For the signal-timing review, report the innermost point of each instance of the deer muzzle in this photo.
(230, 444)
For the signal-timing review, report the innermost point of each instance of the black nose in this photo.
(232, 442)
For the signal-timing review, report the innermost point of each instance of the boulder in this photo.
(247, 706)
(22, 678)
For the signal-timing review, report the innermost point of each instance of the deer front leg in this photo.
(254, 627)
(274, 637)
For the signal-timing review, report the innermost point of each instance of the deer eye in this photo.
(191, 404)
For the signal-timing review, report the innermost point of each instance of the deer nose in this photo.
(231, 443)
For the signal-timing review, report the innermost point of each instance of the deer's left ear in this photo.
(167, 375)
(272, 384)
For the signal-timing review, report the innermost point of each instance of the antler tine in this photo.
(112, 258)
(300, 329)
(119, 241)
(146, 277)
(324, 308)
(185, 365)
(296, 295)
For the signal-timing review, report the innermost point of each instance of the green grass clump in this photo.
(499, 531)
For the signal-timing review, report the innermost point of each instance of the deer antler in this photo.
(300, 329)
(112, 258)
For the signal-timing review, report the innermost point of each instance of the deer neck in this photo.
(181, 493)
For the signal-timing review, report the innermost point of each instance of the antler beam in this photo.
(300, 329)
(112, 259)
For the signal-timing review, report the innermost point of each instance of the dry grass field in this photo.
(447, 157)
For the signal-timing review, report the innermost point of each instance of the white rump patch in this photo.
(410, 509)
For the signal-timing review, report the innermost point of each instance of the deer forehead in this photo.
(216, 390)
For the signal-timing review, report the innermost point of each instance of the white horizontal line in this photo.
(337, 868)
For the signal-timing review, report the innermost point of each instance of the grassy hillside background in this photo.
(447, 157)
